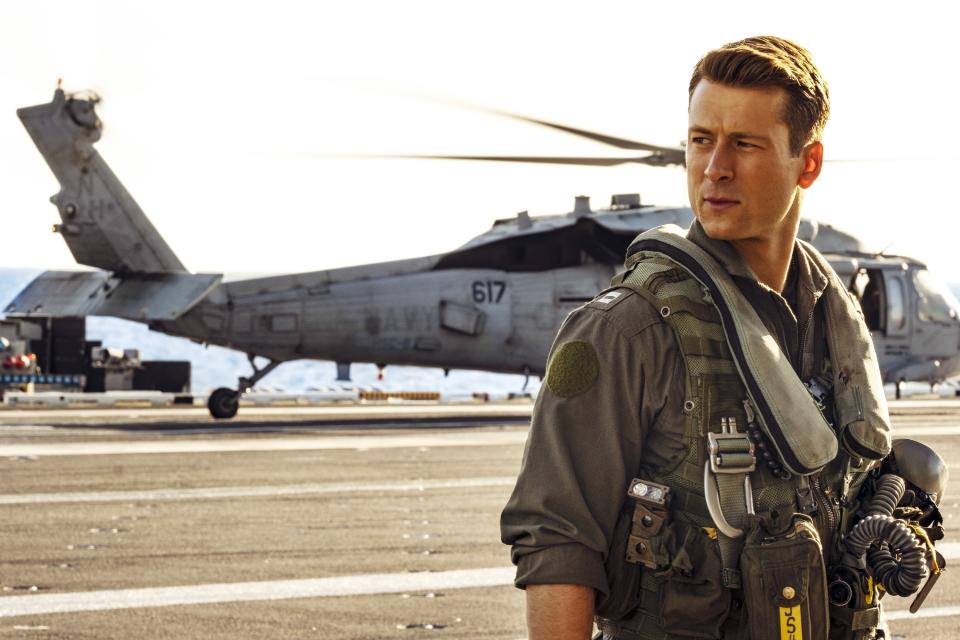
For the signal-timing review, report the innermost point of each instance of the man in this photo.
(621, 399)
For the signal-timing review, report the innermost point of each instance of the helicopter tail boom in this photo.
(140, 297)
(101, 222)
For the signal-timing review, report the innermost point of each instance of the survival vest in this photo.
(683, 579)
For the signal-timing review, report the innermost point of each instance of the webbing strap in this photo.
(734, 508)
(856, 619)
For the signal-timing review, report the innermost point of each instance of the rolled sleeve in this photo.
(584, 447)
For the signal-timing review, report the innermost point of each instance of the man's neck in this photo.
(768, 258)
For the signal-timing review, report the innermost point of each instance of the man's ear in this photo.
(812, 162)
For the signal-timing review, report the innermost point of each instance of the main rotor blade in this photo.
(620, 143)
(654, 159)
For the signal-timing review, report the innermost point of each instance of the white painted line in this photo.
(226, 444)
(365, 410)
(939, 430)
(935, 612)
(214, 493)
(250, 591)
(950, 550)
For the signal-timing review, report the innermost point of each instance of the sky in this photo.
(230, 122)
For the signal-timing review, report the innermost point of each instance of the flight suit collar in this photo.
(722, 251)
(811, 279)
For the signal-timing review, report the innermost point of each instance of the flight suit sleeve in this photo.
(610, 373)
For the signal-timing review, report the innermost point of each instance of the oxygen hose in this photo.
(890, 490)
(890, 539)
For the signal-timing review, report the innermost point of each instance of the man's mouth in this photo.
(720, 203)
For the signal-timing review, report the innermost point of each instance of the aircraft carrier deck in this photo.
(348, 522)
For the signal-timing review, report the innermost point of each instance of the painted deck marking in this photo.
(215, 493)
(487, 438)
(47, 603)
(933, 612)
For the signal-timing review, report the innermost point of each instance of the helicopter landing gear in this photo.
(224, 402)
(523, 393)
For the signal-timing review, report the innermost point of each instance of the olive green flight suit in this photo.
(612, 403)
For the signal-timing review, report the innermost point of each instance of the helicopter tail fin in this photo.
(101, 222)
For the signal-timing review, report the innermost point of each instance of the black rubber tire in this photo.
(223, 403)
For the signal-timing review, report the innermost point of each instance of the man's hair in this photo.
(768, 61)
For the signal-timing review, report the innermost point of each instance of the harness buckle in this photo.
(730, 451)
(819, 390)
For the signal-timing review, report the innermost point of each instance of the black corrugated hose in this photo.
(889, 491)
(889, 538)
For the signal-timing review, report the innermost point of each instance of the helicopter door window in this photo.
(868, 287)
(896, 305)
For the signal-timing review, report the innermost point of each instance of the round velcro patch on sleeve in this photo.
(573, 369)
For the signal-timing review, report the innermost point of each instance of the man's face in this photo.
(743, 181)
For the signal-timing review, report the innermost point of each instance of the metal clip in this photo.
(806, 502)
(818, 390)
(712, 496)
(730, 451)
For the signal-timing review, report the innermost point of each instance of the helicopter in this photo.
(493, 304)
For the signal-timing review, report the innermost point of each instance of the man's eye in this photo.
(699, 140)
(746, 145)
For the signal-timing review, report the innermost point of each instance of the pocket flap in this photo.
(787, 585)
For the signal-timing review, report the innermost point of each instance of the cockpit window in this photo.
(936, 303)
(896, 305)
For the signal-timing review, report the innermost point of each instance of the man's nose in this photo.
(720, 166)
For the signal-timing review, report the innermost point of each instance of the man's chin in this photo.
(720, 229)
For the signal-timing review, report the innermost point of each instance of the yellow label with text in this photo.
(791, 628)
